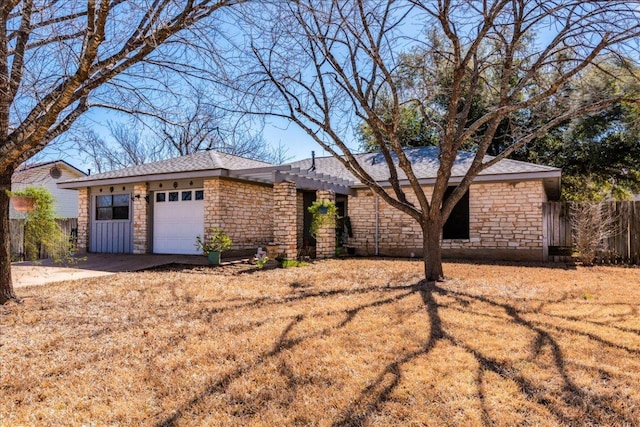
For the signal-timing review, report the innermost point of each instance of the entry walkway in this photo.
(95, 265)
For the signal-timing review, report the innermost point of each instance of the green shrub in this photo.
(41, 229)
(218, 241)
(290, 263)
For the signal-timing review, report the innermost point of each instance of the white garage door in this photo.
(178, 217)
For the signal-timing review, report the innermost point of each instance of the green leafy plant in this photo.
(261, 261)
(324, 212)
(218, 241)
(41, 229)
(290, 263)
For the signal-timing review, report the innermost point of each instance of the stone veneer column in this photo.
(83, 220)
(140, 219)
(326, 238)
(212, 208)
(285, 218)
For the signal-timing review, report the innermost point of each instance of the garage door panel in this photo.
(176, 225)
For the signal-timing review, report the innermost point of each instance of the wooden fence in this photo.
(622, 247)
(69, 227)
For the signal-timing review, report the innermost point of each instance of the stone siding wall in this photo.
(243, 210)
(506, 215)
(300, 219)
(140, 219)
(285, 218)
(326, 238)
(83, 220)
(503, 216)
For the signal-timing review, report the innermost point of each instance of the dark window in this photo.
(186, 195)
(104, 214)
(112, 207)
(199, 194)
(173, 196)
(457, 226)
(161, 197)
(102, 201)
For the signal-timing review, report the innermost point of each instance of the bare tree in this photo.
(127, 147)
(592, 224)
(185, 131)
(329, 66)
(59, 59)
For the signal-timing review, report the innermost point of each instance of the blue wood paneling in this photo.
(111, 237)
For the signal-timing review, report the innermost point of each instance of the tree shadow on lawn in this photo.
(523, 264)
(245, 267)
(551, 265)
(231, 269)
(558, 395)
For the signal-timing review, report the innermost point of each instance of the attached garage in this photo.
(166, 208)
(178, 217)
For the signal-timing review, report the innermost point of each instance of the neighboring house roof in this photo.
(47, 174)
(202, 161)
(30, 166)
(327, 169)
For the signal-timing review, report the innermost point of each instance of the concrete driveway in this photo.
(40, 273)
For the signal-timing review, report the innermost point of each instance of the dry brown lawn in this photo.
(336, 343)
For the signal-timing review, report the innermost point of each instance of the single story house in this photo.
(47, 175)
(161, 207)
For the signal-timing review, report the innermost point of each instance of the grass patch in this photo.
(338, 343)
(292, 263)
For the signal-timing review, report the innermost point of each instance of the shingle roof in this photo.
(29, 166)
(200, 161)
(425, 165)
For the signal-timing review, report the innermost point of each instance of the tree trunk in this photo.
(6, 284)
(432, 252)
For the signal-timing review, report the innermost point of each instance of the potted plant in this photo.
(22, 203)
(324, 212)
(213, 246)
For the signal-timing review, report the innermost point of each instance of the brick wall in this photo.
(140, 219)
(504, 217)
(326, 238)
(83, 219)
(243, 210)
(285, 218)
(300, 219)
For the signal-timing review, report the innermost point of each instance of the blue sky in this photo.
(299, 145)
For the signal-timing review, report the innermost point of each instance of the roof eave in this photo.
(504, 177)
(70, 166)
(52, 162)
(210, 173)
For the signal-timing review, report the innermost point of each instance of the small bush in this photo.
(217, 241)
(41, 229)
(591, 225)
